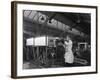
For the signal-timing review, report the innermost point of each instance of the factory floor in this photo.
(51, 63)
(38, 64)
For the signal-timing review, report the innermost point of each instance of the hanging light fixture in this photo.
(78, 20)
(42, 18)
(50, 21)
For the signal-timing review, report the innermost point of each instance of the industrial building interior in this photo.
(43, 31)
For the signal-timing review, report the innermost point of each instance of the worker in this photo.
(68, 56)
(60, 51)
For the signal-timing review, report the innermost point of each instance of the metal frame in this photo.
(14, 37)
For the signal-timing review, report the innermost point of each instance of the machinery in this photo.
(46, 48)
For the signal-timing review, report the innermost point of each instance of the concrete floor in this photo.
(52, 63)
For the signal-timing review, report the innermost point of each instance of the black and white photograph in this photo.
(53, 39)
(56, 39)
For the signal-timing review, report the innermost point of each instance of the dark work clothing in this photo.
(60, 51)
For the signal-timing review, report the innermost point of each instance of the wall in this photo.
(5, 40)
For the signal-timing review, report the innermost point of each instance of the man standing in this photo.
(69, 57)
